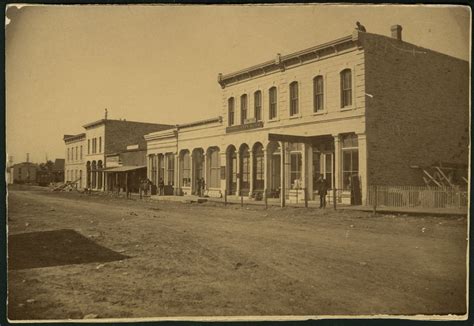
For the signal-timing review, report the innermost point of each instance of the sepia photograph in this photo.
(171, 162)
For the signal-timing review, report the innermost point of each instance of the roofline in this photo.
(200, 122)
(279, 62)
(74, 137)
(102, 121)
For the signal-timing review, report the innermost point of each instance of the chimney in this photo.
(396, 32)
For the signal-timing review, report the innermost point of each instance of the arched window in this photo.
(272, 101)
(318, 93)
(243, 108)
(294, 98)
(231, 110)
(346, 88)
(257, 96)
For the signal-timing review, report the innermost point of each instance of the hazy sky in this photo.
(65, 64)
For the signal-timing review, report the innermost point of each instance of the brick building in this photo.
(101, 138)
(358, 111)
(24, 172)
(74, 167)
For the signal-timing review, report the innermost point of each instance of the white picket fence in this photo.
(412, 196)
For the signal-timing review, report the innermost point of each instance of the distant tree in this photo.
(47, 167)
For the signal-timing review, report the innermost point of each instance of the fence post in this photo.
(241, 199)
(334, 198)
(225, 197)
(305, 198)
(375, 200)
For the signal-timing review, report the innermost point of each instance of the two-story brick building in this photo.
(359, 110)
(86, 153)
(74, 167)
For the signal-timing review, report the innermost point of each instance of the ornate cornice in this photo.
(283, 62)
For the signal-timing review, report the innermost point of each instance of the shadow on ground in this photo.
(55, 248)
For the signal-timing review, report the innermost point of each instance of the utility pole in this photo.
(27, 157)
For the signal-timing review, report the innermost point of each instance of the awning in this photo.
(125, 168)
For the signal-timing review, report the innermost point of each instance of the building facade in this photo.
(24, 172)
(101, 138)
(357, 111)
(74, 167)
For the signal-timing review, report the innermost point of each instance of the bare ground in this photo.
(210, 260)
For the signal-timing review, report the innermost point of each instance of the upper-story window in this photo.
(231, 111)
(100, 144)
(88, 146)
(272, 99)
(257, 96)
(346, 88)
(243, 108)
(294, 98)
(77, 153)
(68, 157)
(81, 152)
(318, 93)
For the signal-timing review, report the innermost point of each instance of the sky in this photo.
(159, 63)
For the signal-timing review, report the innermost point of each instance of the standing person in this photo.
(141, 188)
(203, 184)
(161, 186)
(199, 185)
(322, 191)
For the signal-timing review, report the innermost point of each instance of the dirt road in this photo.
(208, 260)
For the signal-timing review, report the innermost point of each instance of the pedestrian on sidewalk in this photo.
(199, 186)
(161, 187)
(322, 191)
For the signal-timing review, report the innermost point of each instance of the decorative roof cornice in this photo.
(162, 134)
(283, 62)
(68, 138)
(200, 122)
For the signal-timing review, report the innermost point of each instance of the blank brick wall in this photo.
(419, 112)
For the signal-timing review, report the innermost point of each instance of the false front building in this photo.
(357, 111)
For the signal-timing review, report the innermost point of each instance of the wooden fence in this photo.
(411, 196)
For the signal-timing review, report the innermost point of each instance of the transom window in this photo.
(294, 98)
(318, 93)
(272, 96)
(231, 109)
(346, 88)
(243, 108)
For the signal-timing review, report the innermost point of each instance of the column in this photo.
(251, 181)
(282, 174)
(176, 174)
(304, 167)
(205, 172)
(363, 175)
(337, 162)
(265, 171)
(309, 179)
(239, 177)
(191, 171)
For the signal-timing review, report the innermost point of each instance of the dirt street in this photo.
(108, 257)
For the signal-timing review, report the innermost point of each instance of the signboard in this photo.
(246, 126)
(112, 161)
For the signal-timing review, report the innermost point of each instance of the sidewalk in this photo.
(275, 202)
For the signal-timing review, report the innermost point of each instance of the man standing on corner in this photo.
(322, 191)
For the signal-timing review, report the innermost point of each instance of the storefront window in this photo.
(170, 169)
(350, 160)
(186, 173)
(296, 163)
(214, 169)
